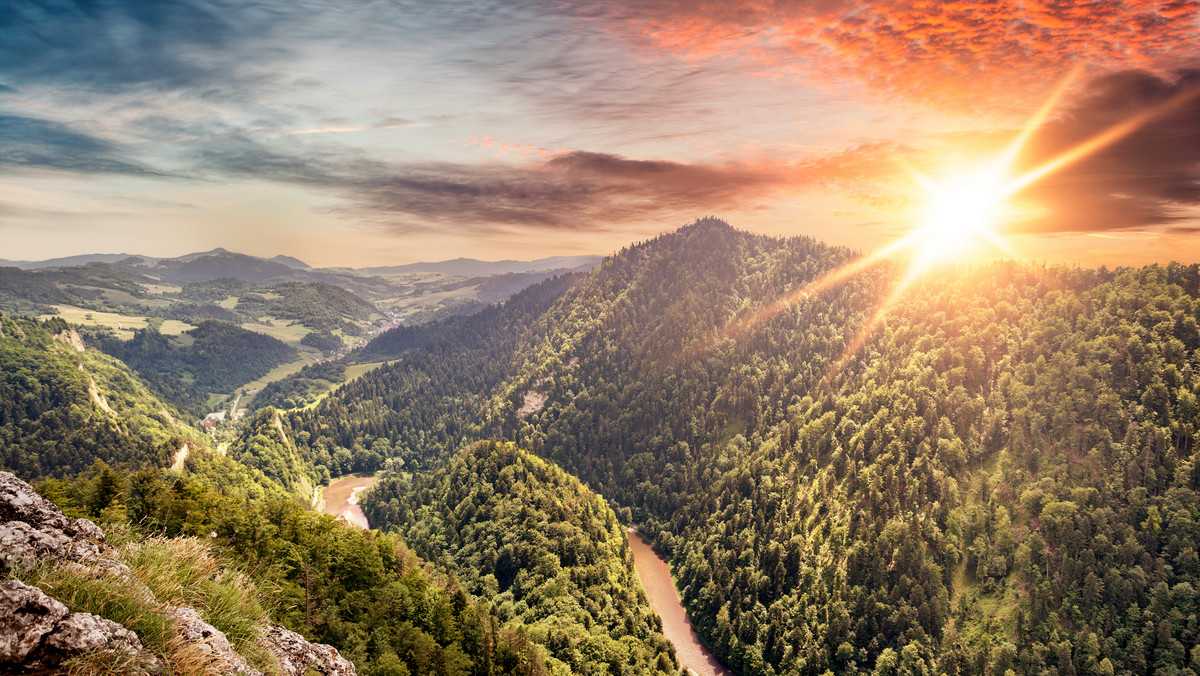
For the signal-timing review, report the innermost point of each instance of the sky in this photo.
(372, 132)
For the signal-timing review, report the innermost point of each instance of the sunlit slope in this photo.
(63, 406)
(545, 549)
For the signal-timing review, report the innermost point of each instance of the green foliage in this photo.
(396, 341)
(34, 291)
(423, 404)
(302, 388)
(221, 357)
(319, 306)
(360, 591)
(61, 409)
(323, 341)
(548, 551)
(1001, 476)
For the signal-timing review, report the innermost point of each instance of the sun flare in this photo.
(961, 214)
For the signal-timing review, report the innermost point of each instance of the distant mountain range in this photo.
(207, 265)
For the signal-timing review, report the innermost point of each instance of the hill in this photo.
(543, 547)
(1001, 476)
(63, 406)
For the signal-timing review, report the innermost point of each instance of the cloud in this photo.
(34, 142)
(1149, 178)
(571, 191)
(961, 53)
(110, 45)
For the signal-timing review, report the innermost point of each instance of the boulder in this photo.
(298, 657)
(82, 632)
(27, 615)
(19, 502)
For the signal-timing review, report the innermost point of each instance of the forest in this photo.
(546, 550)
(996, 474)
(1002, 477)
(383, 607)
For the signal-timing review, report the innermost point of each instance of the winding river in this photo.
(660, 588)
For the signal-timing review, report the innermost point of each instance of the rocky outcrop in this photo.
(209, 644)
(298, 657)
(19, 502)
(32, 529)
(71, 338)
(38, 632)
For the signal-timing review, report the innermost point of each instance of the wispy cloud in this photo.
(29, 142)
(571, 191)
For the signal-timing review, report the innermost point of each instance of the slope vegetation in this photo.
(547, 550)
(1001, 476)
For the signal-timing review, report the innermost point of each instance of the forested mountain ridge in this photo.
(932, 505)
(546, 550)
(63, 406)
(431, 398)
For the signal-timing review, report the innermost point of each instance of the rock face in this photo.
(38, 632)
(298, 657)
(32, 529)
(19, 502)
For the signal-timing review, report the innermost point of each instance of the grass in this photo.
(185, 572)
(122, 325)
(278, 373)
(174, 327)
(159, 289)
(164, 571)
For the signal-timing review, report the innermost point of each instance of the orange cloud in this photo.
(968, 54)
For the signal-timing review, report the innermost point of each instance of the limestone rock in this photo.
(27, 615)
(81, 632)
(22, 545)
(210, 643)
(298, 657)
(19, 502)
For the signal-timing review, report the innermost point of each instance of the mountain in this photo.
(68, 261)
(63, 406)
(291, 262)
(470, 267)
(1001, 475)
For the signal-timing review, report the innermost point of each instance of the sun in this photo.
(960, 215)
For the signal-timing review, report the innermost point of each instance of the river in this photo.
(340, 499)
(660, 588)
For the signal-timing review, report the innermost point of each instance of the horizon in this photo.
(362, 135)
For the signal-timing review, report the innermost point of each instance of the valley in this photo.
(999, 475)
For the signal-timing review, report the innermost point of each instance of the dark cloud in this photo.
(576, 190)
(38, 143)
(1150, 177)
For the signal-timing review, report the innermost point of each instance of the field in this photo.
(279, 328)
(122, 325)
